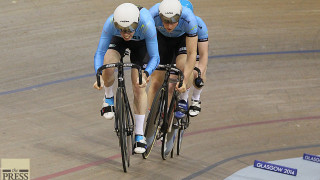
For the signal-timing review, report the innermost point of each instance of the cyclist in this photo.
(177, 39)
(129, 27)
(202, 61)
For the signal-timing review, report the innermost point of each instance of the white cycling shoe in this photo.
(107, 110)
(195, 108)
(140, 145)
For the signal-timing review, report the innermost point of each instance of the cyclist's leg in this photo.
(201, 63)
(180, 62)
(139, 56)
(195, 98)
(203, 58)
(166, 56)
(155, 83)
(112, 55)
(139, 106)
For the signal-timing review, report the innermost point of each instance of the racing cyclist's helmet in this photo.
(170, 11)
(187, 4)
(126, 17)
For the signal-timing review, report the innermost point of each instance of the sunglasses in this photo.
(129, 29)
(171, 20)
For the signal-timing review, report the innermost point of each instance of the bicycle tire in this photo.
(168, 143)
(182, 128)
(120, 104)
(153, 122)
(129, 131)
(170, 133)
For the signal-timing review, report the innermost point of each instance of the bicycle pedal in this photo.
(161, 138)
(117, 132)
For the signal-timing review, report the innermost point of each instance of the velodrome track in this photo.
(261, 100)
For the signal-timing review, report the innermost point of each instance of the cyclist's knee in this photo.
(108, 76)
(155, 84)
(138, 92)
(171, 87)
(157, 79)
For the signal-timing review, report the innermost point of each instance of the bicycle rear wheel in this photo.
(121, 115)
(154, 121)
(170, 132)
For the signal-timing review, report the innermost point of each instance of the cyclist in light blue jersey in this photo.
(177, 41)
(202, 62)
(129, 27)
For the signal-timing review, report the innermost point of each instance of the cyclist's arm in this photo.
(191, 29)
(150, 32)
(203, 53)
(154, 10)
(104, 42)
(191, 44)
(203, 44)
(152, 47)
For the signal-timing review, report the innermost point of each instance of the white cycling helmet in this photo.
(170, 11)
(126, 17)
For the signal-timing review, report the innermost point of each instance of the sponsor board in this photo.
(275, 168)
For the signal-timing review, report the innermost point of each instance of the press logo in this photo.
(15, 169)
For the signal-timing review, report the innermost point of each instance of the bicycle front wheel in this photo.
(171, 131)
(154, 121)
(122, 118)
(184, 123)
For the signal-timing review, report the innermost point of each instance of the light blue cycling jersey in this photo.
(187, 23)
(202, 30)
(145, 31)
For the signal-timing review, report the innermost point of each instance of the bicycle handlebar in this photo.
(173, 69)
(117, 65)
(198, 70)
(198, 81)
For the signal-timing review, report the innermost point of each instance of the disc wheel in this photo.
(154, 122)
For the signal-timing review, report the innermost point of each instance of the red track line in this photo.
(81, 167)
(78, 168)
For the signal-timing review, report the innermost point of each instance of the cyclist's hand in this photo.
(145, 80)
(182, 89)
(95, 85)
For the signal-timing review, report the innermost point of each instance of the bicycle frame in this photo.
(158, 116)
(124, 120)
(183, 123)
(170, 69)
(121, 81)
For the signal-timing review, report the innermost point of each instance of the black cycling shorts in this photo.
(138, 50)
(170, 48)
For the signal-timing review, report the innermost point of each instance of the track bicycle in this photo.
(161, 116)
(183, 123)
(124, 122)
